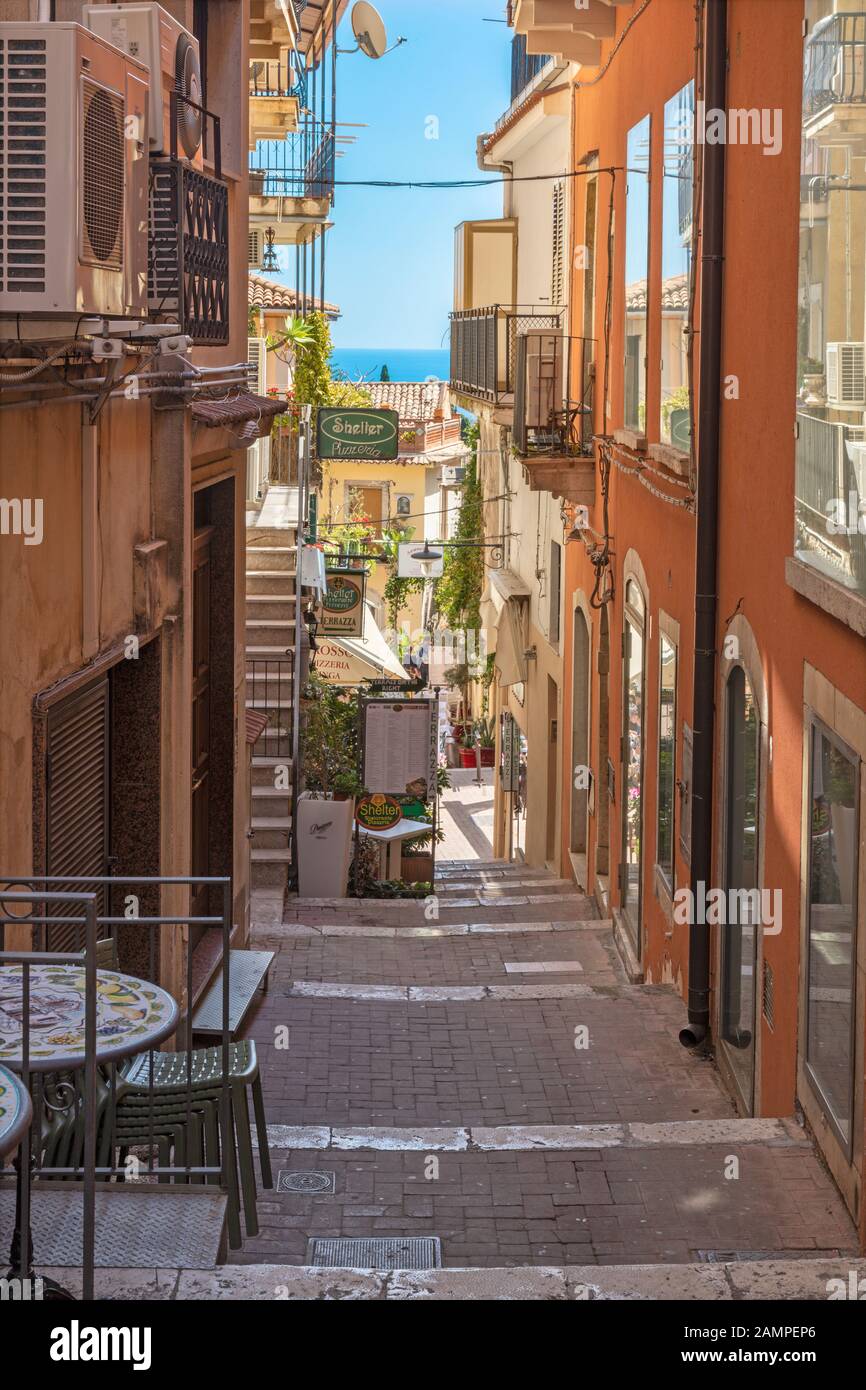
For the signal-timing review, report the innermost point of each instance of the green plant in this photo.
(458, 593)
(397, 590)
(330, 743)
(484, 732)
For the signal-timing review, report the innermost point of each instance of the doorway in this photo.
(579, 744)
(740, 934)
(634, 693)
(552, 770)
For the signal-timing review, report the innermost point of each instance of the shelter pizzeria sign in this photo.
(378, 812)
(357, 433)
(343, 603)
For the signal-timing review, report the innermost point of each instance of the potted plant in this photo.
(326, 809)
(486, 737)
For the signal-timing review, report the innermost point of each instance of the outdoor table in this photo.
(131, 1016)
(15, 1112)
(391, 841)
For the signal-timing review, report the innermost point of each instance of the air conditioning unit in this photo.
(171, 53)
(846, 376)
(73, 222)
(452, 475)
(545, 379)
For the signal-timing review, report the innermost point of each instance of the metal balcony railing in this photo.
(829, 487)
(835, 62)
(553, 395)
(301, 166)
(484, 346)
(271, 691)
(525, 67)
(274, 77)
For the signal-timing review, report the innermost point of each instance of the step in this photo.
(257, 651)
(268, 608)
(271, 558)
(270, 833)
(263, 772)
(269, 867)
(271, 803)
(270, 633)
(270, 582)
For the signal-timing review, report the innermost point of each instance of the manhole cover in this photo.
(297, 1181)
(387, 1252)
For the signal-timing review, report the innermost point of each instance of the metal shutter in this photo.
(77, 798)
(557, 288)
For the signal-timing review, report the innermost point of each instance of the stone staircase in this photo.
(271, 558)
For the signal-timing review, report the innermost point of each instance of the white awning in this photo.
(351, 660)
(511, 644)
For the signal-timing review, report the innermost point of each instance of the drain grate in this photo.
(713, 1257)
(387, 1252)
(297, 1180)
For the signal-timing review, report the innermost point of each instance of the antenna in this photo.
(369, 29)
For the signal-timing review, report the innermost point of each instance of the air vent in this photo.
(102, 164)
(769, 994)
(23, 153)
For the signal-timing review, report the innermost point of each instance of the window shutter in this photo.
(557, 289)
(77, 776)
(255, 247)
(257, 356)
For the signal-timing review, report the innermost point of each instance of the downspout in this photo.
(707, 527)
(506, 169)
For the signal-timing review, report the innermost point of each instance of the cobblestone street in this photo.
(489, 1077)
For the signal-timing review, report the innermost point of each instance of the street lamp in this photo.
(427, 558)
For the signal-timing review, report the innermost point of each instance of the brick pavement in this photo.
(493, 1063)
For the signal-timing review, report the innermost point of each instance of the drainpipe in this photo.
(44, 10)
(707, 538)
(507, 169)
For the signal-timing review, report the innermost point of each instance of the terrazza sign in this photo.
(378, 812)
(343, 604)
(357, 433)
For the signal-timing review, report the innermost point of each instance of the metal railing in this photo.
(275, 77)
(484, 345)
(553, 395)
(525, 67)
(301, 166)
(835, 62)
(830, 485)
(271, 691)
(73, 1134)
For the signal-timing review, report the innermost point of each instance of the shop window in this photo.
(667, 757)
(831, 925)
(677, 190)
(636, 274)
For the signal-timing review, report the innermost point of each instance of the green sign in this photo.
(343, 603)
(357, 433)
(378, 812)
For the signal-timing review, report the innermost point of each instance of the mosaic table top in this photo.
(131, 1016)
(15, 1111)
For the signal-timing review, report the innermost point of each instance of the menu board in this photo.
(400, 748)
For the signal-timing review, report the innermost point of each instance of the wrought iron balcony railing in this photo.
(301, 166)
(484, 346)
(274, 77)
(830, 488)
(553, 395)
(835, 62)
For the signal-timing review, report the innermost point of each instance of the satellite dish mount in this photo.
(369, 30)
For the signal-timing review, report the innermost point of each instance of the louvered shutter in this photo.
(557, 289)
(255, 247)
(258, 454)
(77, 799)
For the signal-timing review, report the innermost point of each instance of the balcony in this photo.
(484, 347)
(525, 67)
(559, 28)
(292, 182)
(422, 437)
(277, 93)
(830, 489)
(553, 393)
(834, 81)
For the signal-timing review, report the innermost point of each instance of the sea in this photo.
(404, 364)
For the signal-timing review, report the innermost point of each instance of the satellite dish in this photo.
(369, 29)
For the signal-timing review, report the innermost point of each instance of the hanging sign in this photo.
(343, 603)
(378, 812)
(410, 568)
(357, 433)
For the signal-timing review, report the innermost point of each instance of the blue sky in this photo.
(390, 252)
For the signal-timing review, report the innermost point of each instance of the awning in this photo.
(501, 587)
(352, 660)
(511, 644)
(248, 417)
(256, 723)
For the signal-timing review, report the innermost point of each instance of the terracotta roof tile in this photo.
(412, 400)
(246, 415)
(270, 294)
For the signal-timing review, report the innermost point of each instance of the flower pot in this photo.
(467, 757)
(417, 868)
(324, 846)
(488, 757)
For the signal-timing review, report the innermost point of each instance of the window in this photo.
(676, 266)
(667, 757)
(830, 477)
(588, 257)
(831, 925)
(555, 592)
(404, 506)
(636, 271)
